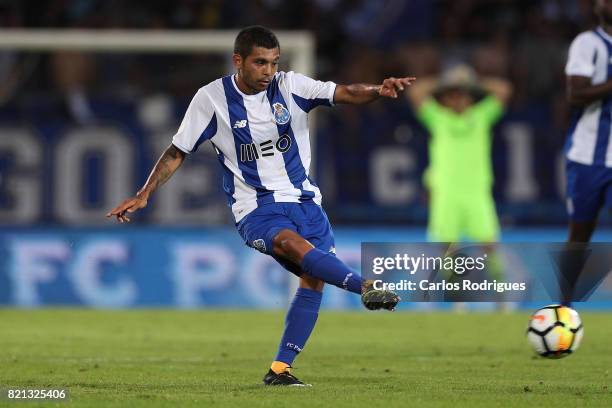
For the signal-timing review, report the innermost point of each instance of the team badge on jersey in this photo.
(281, 114)
(260, 245)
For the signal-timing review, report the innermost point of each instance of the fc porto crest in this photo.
(260, 245)
(281, 114)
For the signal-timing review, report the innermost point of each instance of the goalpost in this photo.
(299, 45)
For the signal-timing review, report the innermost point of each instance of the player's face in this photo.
(603, 9)
(457, 100)
(258, 68)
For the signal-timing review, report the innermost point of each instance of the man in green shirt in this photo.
(459, 113)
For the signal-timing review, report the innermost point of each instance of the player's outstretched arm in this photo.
(167, 164)
(365, 93)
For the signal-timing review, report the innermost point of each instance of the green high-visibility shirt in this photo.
(460, 145)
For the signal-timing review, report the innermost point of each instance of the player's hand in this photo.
(391, 86)
(128, 206)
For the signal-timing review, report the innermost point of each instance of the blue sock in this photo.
(328, 268)
(301, 318)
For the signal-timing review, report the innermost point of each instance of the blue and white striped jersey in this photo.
(262, 140)
(588, 141)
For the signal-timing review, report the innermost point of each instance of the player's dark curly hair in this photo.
(254, 36)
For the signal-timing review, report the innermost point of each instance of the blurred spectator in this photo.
(524, 41)
(72, 73)
(523, 38)
(459, 110)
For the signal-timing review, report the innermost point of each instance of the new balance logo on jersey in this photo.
(240, 124)
(249, 152)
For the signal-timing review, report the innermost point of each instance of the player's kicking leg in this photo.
(315, 268)
(325, 266)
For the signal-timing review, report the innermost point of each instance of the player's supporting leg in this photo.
(299, 323)
(580, 232)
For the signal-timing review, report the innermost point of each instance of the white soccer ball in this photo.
(555, 331)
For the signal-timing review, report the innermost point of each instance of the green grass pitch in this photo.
(148, 358)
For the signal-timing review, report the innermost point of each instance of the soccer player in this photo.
(257, 122)
(588, 147)
(459, 112)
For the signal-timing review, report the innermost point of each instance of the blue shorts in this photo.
(589, 188)
(308, 219)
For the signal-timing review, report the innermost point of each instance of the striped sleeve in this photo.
(309, 93)
(581, 55)
(199, 124)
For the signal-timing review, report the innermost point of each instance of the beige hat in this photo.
(460, 76)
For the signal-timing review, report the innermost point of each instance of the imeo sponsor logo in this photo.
(252, 151)
(283, 143)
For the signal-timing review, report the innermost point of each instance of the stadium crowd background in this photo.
(369, 159)
(80, 131)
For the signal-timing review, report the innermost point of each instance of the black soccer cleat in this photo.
(375, 299)
(284, 378)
